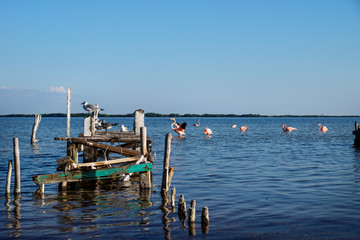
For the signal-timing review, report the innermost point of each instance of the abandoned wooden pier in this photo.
(132, 150)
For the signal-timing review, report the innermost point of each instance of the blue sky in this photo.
(200, 56)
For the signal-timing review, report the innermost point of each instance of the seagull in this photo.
(123, 128)
(91, 108)
(107, 125)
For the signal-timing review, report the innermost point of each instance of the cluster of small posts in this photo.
(168, 172)
(357, 135)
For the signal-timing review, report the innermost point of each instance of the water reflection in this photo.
(91, 205)
(13, 215)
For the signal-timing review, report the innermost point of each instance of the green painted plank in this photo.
(78, 176)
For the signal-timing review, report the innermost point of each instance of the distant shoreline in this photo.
(173, 115)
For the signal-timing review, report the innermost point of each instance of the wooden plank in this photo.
(110, 137)
(78, 176)
(111, 162)
(119, 150)
(64, 161)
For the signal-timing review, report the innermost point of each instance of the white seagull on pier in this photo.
(91, 108)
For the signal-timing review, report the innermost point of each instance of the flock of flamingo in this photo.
(180, 128)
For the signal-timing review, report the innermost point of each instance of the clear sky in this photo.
(188, 56)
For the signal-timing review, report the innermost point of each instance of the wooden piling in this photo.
(165, 178)
(192, 211)
(143, 141)
(35, 128)
(68, 116)
(205, 219)
(182, 210)
(356, 132)
(17, 189)
(139, 120)
(8, 180)
(173, 195)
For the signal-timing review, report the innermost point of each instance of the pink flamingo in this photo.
(288, 129)
(322, 128)
(244, 128)
(207, 131)
(179, 129)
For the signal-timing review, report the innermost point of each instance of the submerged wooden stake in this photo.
(182, 209)
(173, 195)
(17, 189)
(8, 180)
(35, 128)
(192, 211)
(205, 219)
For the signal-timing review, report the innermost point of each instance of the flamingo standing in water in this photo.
(197, 124)
(288, 129)
(179, 129)
(244, 128)
(322, 128)
(207, 131)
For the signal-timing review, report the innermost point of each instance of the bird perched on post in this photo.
(106, 125)
(91, 108)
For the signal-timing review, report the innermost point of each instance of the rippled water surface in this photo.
(261, 184)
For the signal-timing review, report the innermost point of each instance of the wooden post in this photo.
(182, 210)
(35, 128)
(173, 195)
(165, 178)
(87, 127)
(192, 212)
(68, 112)
(143, 141)
(138, 120)
(205, 219)
(17, 189)
(8, 180)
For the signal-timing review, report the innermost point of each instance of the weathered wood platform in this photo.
(81, 175)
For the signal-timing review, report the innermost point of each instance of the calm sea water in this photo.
(261, 184)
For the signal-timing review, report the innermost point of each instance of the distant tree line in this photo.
(174, 115)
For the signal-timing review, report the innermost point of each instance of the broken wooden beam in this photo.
(119, 150)
(78, 176)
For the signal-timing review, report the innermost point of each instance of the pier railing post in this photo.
(17, 189)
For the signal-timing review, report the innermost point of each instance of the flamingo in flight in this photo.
(197, 124)
(288, 129)
(179, 129)
(322, 128)
(207, 131)
(244, 128)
